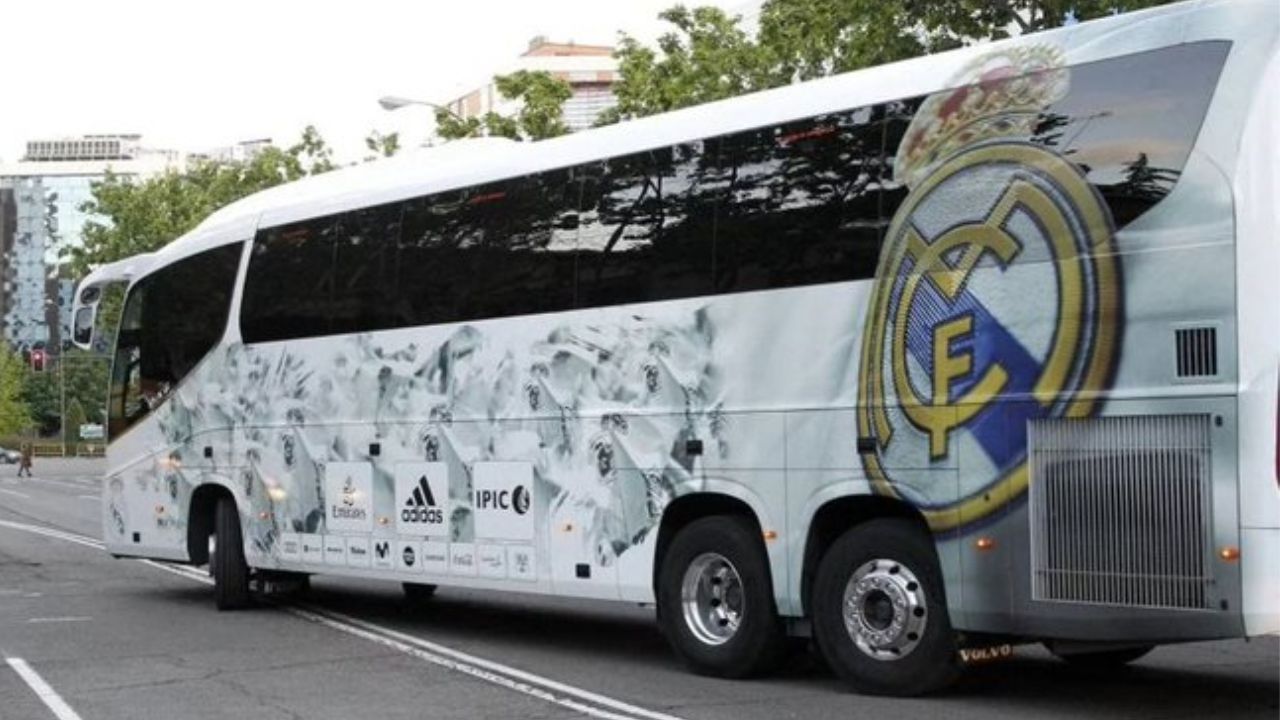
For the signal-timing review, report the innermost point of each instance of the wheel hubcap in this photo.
(885, 609)
(711, 598)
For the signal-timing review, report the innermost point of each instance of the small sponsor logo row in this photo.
(516, 562)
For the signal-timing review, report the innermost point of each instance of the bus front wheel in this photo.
(715, 599)
(227, 565)
(879, 611)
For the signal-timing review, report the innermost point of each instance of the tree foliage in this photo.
(541, 114)
(381, 145)
(707, 55)
(14, 413)
(86, 378)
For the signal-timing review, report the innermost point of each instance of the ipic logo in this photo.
(516, 500)
(421, 507)
(409, 556)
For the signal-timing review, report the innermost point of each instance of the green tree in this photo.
(131, 217)
(14, 413)
(706, 56)
(541, 115)
(40, 393)
(380, 145)
(75, 418)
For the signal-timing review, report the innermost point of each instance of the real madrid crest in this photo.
(997, 296)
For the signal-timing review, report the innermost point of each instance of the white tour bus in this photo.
(973, 349)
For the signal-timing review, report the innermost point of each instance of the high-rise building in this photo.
(591, 70)
(242, 151)
(41, 216)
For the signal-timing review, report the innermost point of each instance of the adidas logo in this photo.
(421, 506)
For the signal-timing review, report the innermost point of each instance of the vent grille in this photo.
(1197, 352)
(1121, 510)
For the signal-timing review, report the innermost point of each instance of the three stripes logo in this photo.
(421, 507)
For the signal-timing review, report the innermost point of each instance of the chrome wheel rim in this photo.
(712, 599)
(885, 609)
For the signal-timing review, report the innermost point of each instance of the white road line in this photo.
(498, 678)
(68, 618)
(15, 493)
(477, 667)
(56, 534)
(47, 694)
(51, 481)
(473, 665)
(537, 686)
(93, 498)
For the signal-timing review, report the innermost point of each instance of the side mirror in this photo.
(86, 313)
(82, 326)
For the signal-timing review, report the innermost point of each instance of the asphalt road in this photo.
(101, 638)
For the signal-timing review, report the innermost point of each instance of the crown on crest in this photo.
(998, 95)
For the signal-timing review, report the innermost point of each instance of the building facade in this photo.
(42, 197)
(590, 70)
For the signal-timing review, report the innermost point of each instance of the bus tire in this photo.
(715, 599)
(227, 564)
(896, 638)
(1100, 659)
(418, 592)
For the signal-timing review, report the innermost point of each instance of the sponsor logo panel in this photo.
(492, 561)
(358, 552)
(335, 550)
(290, 546)
(348, 497)
(384, 554)
(312, 548)
(462, 559)
(409, 555)
(435, 557)
(503, 500)
(422, 498)
(521, 563)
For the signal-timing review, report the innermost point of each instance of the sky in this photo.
(192, 76)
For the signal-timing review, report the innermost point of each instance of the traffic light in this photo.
(37, 360)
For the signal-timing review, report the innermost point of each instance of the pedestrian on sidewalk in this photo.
(25, 462)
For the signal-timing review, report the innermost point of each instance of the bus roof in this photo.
(471, 162)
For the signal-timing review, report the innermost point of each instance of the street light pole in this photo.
(62, 415)
(395, 102)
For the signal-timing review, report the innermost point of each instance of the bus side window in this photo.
(288, 292)
(367, 272)
(435, 234)
(172, 319)
(646, 228)
(803, 205)
(525, 262)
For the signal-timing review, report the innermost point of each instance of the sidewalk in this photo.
(60, 467)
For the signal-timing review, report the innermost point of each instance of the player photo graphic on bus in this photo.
(997, 298)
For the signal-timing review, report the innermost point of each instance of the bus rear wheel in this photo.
(879, 611)
(715, 599)
(227, 565)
